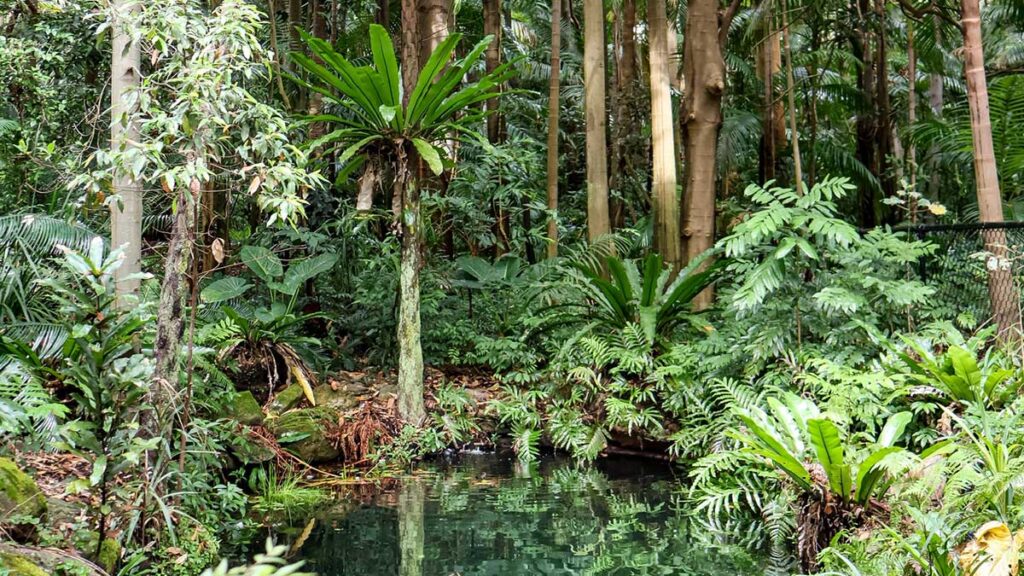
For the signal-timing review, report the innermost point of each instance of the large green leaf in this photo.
(385, 61)
(894, 428)
(767, 445)
(301, 271)
(870, 472)
(224, 289)
(828, 446)
(262, 262)
(429, 155)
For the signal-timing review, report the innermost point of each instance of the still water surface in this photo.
(485, 515)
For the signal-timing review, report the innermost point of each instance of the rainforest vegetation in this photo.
(257, 253)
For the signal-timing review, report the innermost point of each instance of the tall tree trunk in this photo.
(666, 203)
(883, 111)
(173, 289)
(407, 195)
(433, 25)
(554, 104)
(798, 176)
(935, 102)
(773, 126)
(866, 122)
(628, 147)
(126, 214)
(598, 222)
(911, 161)
(704, 70)
(492, 59)
(1002, 292)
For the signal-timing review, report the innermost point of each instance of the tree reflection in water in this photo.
(484, 515)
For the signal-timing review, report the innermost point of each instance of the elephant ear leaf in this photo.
(299, 272)
(224, 289)
(262, 262)
(829, 448)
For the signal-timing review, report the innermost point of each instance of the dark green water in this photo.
(484, 515)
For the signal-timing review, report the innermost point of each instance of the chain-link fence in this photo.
(958, 269)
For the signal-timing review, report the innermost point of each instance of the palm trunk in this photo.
(666, 203)
(554, 103)
(126, 214)
(1002, 292)
(598, 222)
(935, 102)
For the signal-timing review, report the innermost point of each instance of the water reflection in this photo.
(488, 516)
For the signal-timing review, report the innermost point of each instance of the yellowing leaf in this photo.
(300, 377)
(993, 552)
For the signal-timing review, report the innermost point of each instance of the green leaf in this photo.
(829, 448)
(357, 147)
(299, 272)
(99, 468)
(385, 62)
(429, 155)
(894, 428)
(224, 289)
(262, 262)
(870, 472)
(770, 447)
(388, 112)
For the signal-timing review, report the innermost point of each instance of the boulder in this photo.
(304, 433)
(287, 399)
(28, 561)
(338, 397)
(19, 494)
(246, 410)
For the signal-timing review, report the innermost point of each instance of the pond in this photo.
(487, 515)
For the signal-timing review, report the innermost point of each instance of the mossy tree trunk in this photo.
(410, 349)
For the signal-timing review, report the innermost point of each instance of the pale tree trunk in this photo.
(598, 222)
(406, 193)
(798, 176)
(433, 25)
(1002, 292)
(666, 204)
(126, 214)
(773, 129)
(704, 70)
(554, 104)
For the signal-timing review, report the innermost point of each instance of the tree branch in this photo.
(725, 21)
(931, 9)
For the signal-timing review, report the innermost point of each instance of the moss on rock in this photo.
(19, 496)
(246, 410)
(287, 399)
(20, 565)
(304, 432)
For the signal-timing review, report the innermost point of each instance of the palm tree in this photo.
(379, 125)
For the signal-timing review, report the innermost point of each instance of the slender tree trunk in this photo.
(383, 15)
(173, 290)
(433, 25)
(276, 62)
(492, 59)
(598, 222)
(866, 122)
(704, 70)
(911, 161)
(798, 177)
(410, 348)
(1002, 292)
(773, 126)
(883, 112)
(407, 196)
(126, 214)
(666, 202)
(554, 104)
(935, 102)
